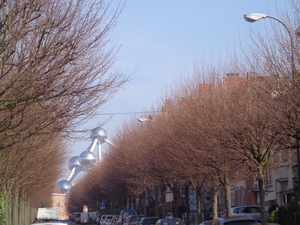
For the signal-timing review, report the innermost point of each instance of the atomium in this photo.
(87, 159)
(99, 134)
(74, 163)
(64, 186)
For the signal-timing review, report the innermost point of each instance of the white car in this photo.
(240, 220)
(246, 210)
(108, 219)
(102, 220)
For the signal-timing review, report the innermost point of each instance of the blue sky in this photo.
(161, 40)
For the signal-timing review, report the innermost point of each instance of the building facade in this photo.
(59, 203)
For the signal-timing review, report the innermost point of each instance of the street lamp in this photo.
(253, 17)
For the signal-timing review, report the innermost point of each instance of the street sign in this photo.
(85, 209)
(102, 205)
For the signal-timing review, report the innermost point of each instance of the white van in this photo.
(84, 218)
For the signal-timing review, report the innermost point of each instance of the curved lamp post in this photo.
(253, 17)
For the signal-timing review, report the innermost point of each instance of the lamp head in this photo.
(253, 17)
(142, 119)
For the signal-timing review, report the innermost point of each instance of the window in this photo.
(254, 210)
(242, 195)
(269, 176)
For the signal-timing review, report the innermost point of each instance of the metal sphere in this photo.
(64, 186)
(74, 163)
(99, 133)
(87, 159)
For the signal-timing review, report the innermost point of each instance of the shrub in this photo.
(273, 218)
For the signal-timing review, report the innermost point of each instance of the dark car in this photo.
(234, 220)
(74, 215)
(123, 214)
(133, 220)
(170, 221)
(98, 219)
(207, 222)
(77, 218)
(149, 221)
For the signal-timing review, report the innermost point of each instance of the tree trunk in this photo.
(128, 204)
(261, 192)
(215, 202)
(187, 203)
(8, 203)
(144, 203)
(227, 194)
(133, 203)
(261, 188)
(163, 202)
(141, 203)
(175, 200)
(156, 200)
(199, 206)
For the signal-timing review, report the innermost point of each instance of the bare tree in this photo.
(55, 57)
(55, 72)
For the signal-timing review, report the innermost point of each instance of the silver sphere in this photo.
(87, 159)
(99, 133)
(64, 186)
(74, 163)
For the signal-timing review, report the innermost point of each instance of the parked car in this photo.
(123, 214)
(102, 220)
(77, 218)
(114, 219)
(207, 222)
(92, 217)
(170, 221)
(49, 222)
(234, 220)
(108, 219)
(149, 220)
(246, 210)
(133, 219)
(98, 218)
(72, 217)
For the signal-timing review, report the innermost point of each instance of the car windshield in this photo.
(138, 218)
(171, 222)
(149, 221)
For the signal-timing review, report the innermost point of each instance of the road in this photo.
(71, 223)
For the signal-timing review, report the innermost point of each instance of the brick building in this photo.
(59, 202)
